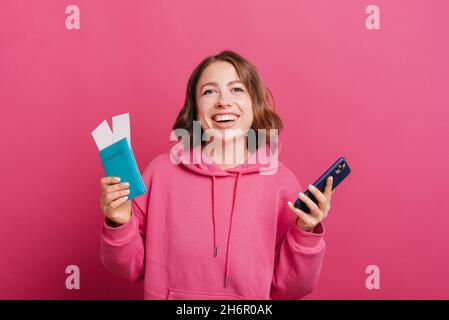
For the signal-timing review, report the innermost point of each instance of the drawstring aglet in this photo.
(215, 251)
(226, 281)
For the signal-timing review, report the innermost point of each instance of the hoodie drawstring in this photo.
(213, 216)
(228, 248)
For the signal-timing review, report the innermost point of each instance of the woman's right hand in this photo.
(114, 200)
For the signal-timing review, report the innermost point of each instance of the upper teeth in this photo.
(224, 117)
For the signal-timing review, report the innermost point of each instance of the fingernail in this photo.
(117, 179)
(301, 194)
(311, 186)
(127, 191)
(126, 198)
(289, 203)
(126, 184)
(332, 178)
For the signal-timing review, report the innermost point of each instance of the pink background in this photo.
(377, 97)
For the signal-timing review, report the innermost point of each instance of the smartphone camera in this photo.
(340, 167)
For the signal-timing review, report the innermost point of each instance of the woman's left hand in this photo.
(308, 222)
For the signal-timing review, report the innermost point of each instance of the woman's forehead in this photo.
(219, 72)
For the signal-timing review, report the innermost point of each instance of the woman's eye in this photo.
(238, 89)
(207, 92)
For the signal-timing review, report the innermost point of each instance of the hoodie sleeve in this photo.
(299, 254)
(122, 249)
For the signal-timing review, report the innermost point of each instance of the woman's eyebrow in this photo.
(216, 84)
(209, 84)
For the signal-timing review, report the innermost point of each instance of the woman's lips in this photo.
(225, 124)
(225, 116)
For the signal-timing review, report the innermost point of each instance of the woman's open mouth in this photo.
(225, 120)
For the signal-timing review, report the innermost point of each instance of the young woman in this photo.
(214, 229)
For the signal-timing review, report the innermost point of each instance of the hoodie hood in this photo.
(263, 160)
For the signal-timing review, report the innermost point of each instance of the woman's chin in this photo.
(228, 139)
(225, 135)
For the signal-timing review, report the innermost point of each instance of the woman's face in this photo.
(223, 101)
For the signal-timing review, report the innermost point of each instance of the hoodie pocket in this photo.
(176, 294)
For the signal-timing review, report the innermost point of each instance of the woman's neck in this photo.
(230, 154)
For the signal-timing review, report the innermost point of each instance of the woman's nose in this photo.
(223, 101)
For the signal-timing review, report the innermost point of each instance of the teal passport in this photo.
(118, 161)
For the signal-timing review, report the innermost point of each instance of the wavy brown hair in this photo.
(262, 100)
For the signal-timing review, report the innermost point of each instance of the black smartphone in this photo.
(339, 170)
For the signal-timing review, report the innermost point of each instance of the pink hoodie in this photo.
(201, 232)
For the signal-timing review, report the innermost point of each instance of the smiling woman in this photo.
(236, 99)
(213, 229)
(223, 103)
